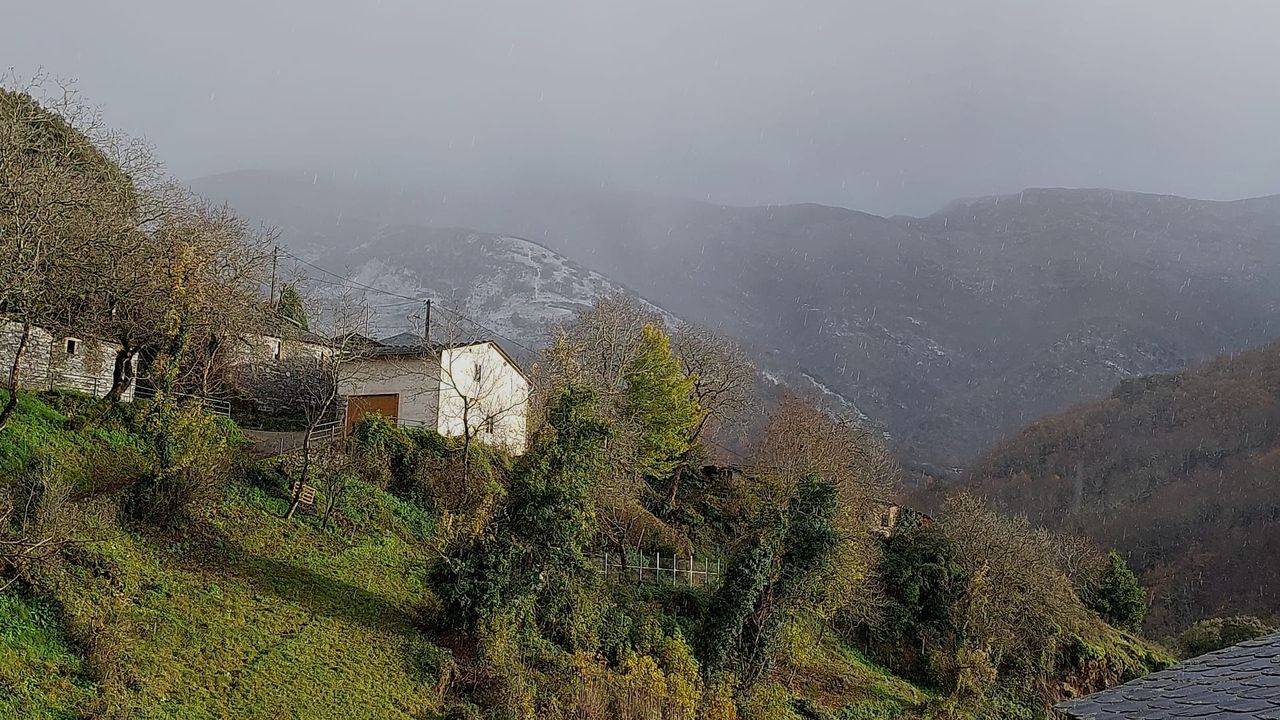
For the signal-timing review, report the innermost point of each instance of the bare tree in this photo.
(333, 469)
(67, 184)
(595, 349)
(314, 384)
(178, 290)
(803, 438)
(479, 399)
(724, 382)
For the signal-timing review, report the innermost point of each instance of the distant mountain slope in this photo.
(512, 285)
(950, 330)
(1181, 472)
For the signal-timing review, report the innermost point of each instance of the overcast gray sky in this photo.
(894, 106)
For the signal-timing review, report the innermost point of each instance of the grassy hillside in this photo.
(241, 613)
(1180, 472)
(247, 615)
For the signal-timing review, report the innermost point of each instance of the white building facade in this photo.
(459, 389)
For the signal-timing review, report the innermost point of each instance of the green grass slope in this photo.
(246, 615)
(258, 619)
(41, 674)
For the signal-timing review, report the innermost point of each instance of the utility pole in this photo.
(275, 262)
(426, 328)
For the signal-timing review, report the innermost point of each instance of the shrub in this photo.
(189, 464)
(923, 585)
(36, 517)
(1217, 633)
(1119, 599)
(381, 451)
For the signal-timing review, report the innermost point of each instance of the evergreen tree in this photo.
(533, 553)
(658, 399)
(924, 586)
(772, 583)
(1119, 599)
(291, 305)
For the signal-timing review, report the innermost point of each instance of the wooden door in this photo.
(358, 406)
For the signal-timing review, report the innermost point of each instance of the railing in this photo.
(217, 406)
(89, 384)
(659, 568)
(330, 430)
(211, 405)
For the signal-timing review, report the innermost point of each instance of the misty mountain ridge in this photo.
(950, 330)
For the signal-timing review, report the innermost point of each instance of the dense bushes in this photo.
(923, 583)
(772, 585)
(1217, 633)
(427, 467)
(533, 551)
(977, 605)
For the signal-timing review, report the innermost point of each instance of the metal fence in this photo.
(88, 384)
(330, 430)
(211, 405)
(659, 568)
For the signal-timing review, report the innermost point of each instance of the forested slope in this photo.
(1181, 472)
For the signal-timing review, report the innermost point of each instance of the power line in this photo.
(349, 281)
(352, 283)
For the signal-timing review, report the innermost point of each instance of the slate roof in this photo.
(1242, 681)
(408, 344)
(285, 328)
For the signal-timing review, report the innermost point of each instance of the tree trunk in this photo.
(121, 374)
(15, 372)
(675, 485)
(684, 460)
(328, 512)
(302, 477)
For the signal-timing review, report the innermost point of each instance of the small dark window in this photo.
(71, 346)
(478, 373)
(489, 425)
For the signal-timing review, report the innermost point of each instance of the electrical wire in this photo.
(348, 282)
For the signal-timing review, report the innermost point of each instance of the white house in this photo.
(445, 387)
(55, 361)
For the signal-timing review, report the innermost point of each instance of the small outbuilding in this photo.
(466, 388)
(55, 361)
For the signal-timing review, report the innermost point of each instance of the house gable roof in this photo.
(283, 328)
(1242, 681)
(410, 345)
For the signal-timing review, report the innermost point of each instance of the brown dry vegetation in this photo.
(1180, 472)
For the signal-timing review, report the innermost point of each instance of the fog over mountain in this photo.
(558, 138)
(950, 330)
(895, 107)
